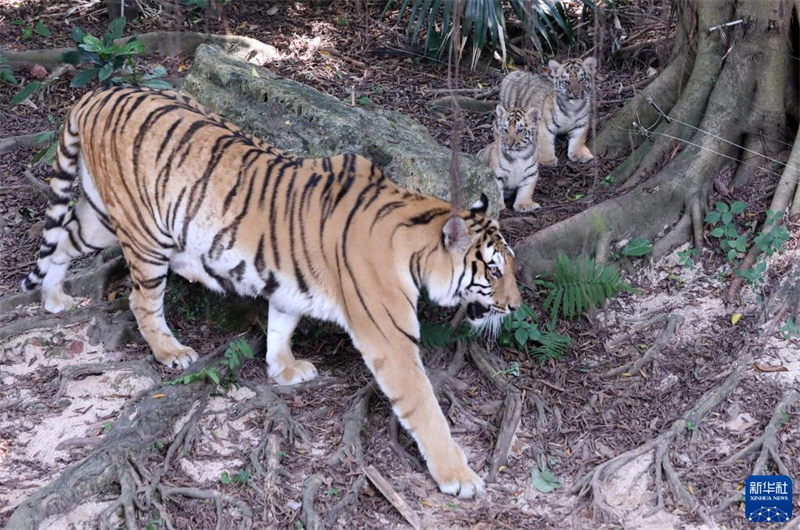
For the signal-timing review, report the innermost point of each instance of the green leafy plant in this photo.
(513, 369)
(225, 477)
(439, 335)
(521, 330)
(637, 247)
(6, 72)
(543, 479)
(773, 236)
(724, 229)
(242, 477)
(576, 285)
(687, 257)
(109, 62)
(483, 22)
(790, 329)
(231, 359)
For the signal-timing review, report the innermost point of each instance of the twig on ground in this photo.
(309, 516)
(593, 482)
(392, 496)
(512, 414)
(766, 444)
(12, 143)
(673, 321)
(350, 447)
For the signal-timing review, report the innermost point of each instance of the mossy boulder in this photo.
(299, 119)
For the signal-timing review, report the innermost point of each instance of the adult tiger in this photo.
(332, 238)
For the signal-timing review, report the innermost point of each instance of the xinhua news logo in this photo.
(768, 498)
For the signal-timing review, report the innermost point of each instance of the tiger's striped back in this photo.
(180, 188)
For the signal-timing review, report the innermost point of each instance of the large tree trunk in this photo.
(721, 90)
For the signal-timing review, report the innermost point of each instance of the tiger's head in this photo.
(481, 276)
(573, 78)
(516, 128)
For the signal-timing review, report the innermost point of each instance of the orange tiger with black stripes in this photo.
(332, 238)
(533, 110)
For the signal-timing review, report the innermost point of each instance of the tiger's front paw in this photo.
(527, 206)
(456, 478)
(176, 357)
(292, 374)
(548, 160)
(581, 155)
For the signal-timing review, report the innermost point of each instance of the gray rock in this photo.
(299, 119)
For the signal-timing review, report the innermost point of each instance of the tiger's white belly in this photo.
(286, 297)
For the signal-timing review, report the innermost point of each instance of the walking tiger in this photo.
(333, 238)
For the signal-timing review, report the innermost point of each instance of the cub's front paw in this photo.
(527, 206)
(297, 372)
(548, 160)
(176, 357)
(581, 155)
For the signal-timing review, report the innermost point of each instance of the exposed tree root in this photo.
(673, 322)
(92, 282)
(350, 447)
(766, 444)
(279, 429)
(147, 420)
(12, 143)
(79, 371)
(162, 42)
(309, 516)
(76, 316)
(348, 499)
(593, 482)
(513, 404)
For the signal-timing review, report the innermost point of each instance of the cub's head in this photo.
(516, 128)
(482, 269)
(573, 78)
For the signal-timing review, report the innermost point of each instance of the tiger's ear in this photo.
(481, 205)
(590, 65)
(533, 115)
(455, 235)
(553, 65)
(500, 111)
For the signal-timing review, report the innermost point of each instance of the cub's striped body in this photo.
(332, 238)
(559, 104)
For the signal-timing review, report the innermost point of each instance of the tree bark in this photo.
(729, 91)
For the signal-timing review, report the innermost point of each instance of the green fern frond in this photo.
(6, 72)
(579, 284)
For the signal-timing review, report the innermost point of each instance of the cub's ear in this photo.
(553, 65)
(590, 65)
(455, 235)
(500, 111)
(481, 205)
(533, 115)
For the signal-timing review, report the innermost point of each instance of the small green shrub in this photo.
(638, 247)
(521, 331)
(232, 359)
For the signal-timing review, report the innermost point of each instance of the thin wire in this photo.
(712, 135)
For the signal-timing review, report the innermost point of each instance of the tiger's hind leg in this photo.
(281, 364)
(84, 230)
(149, 278)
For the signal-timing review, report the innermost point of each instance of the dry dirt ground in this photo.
(55, 408)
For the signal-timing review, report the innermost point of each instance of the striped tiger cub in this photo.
(180, 188)
(533, 109)
(565, 103)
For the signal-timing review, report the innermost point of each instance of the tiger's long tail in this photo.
(59, 212)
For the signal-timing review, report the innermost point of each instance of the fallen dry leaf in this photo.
(763, 367)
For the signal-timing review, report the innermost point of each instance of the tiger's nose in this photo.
(512, 308)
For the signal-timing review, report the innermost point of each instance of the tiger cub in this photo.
(564, 101)
(513, 156)
(180, 188)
